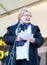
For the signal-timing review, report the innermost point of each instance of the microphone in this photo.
(18, 27)
(20, 23)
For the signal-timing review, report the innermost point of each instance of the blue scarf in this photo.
(24, 26)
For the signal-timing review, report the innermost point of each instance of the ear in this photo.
(21, 18)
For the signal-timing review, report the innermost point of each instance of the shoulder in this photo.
(35, 27)
(12, 27)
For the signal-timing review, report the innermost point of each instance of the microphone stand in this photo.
(12, 59)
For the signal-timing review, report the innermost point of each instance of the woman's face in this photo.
(26, 18)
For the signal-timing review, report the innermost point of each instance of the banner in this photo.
(4, 49)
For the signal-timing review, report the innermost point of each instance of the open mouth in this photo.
(27, 19)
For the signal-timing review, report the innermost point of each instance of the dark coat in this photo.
(34, 58)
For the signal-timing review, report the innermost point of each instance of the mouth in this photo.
(27, 19)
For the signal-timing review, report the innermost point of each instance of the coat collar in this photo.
(33, 28)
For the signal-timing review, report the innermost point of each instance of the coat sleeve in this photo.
(9, 37)
(39, 40)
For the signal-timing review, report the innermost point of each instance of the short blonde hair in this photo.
(22, 11)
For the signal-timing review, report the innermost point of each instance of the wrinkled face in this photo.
(26, 18)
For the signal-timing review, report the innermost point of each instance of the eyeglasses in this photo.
(27, 15)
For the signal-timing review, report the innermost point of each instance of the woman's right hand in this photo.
(19, 39)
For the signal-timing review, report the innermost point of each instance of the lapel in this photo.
(33, 28)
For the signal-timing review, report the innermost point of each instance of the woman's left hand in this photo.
(32, 40)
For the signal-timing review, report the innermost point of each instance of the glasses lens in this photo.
(27, 15)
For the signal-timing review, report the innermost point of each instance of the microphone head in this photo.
(21, 22)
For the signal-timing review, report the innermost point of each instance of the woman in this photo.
(27, 37)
